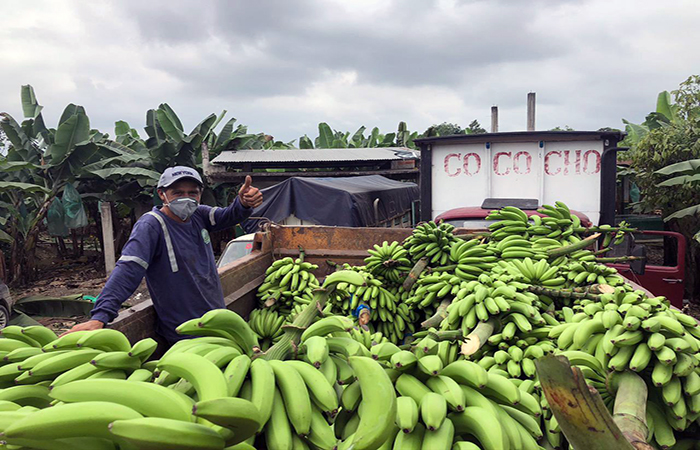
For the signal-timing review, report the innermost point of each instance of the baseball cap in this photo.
(173, 174)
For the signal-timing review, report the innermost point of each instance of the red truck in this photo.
(529, 169)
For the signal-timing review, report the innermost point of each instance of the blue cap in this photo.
(359, 309)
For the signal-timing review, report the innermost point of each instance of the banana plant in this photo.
(687, 174)
(39, 163)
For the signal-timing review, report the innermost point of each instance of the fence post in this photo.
(107, 236)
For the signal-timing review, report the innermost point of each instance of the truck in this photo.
(464, 177)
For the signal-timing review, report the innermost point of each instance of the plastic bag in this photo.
(74, 210)
(55, 219)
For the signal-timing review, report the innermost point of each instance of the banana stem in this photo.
(438, 317)
(630, 410)
(443, 335)
(302, 253)
(614, 259)
(561, 293)
(583, 243)
(414, 274)
(477, 338)
(292, 333)
(602, 251)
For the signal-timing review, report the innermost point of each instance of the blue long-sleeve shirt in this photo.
(178, 262)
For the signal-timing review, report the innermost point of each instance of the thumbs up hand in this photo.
(250, 196)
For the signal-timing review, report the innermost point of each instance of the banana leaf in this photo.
(13, 166)
(14, 132)
(70, 111)
(4, 237)
(305, 142)
(66, 306)
(665, 107)
(690, 211)
(225, 136)
(126, 172)
(30, 107)
(358, 137)
(121, 128)
(683, 179)
(71, 133)
(153, 128)
(685, 167)
(170, 123)
(22, 320)
(25, 187)
(325, 136)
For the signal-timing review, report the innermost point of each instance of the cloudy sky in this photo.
(282, 66)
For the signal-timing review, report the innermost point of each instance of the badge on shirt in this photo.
(205, 236)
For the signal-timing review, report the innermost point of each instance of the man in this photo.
(170, 246)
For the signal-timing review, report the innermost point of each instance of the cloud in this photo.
(282, 67)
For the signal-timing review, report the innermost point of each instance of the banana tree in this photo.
(687, 176)
(39, 163)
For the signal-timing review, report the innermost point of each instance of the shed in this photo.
(399, 163)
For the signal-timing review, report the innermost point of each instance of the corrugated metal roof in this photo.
(317, 155)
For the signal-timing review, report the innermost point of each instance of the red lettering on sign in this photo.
(578, 162)
(566, 162)
(517, 167)
(548, 164)
(596, 164)
(477, 161)
(447, 165)
(496, 164)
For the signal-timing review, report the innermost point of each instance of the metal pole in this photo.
(531, 111)
(494, 119)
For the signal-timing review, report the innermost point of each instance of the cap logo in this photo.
(181, 173)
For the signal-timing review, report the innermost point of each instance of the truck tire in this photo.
(4, 316)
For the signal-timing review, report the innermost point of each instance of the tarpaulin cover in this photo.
(347, 202)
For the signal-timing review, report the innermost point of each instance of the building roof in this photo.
(317, 155)
(522, 136)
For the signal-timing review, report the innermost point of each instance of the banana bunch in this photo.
(438, 401)
(586, 273)
(511, 221)
(540, 273)
(388, 261)
(430, 289)
(288, 281)
(557, 223)
(489, 296)
(267, 325)
(387, 316)
(515, 352)
(472, 258)
(35, 359)
(627, 330)
(432, 241)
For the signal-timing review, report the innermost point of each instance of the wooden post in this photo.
(531, 111)
(107, 236)
(494, 119)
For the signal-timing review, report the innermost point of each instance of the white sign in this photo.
(466, 174)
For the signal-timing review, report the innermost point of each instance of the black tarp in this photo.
(347, 201)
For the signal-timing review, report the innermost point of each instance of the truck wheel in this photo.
(4, 316)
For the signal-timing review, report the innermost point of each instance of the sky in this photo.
(281, 66)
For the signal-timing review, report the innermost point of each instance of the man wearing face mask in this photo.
(171, 247)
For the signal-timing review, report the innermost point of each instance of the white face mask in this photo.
(182, 207)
